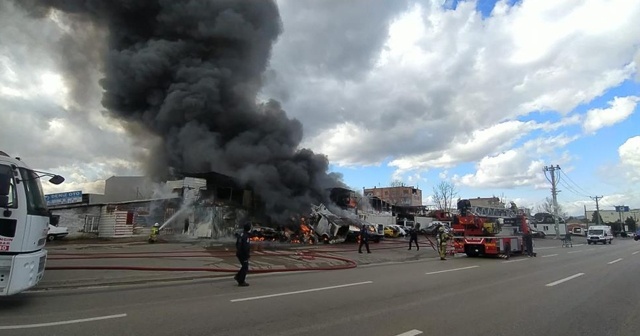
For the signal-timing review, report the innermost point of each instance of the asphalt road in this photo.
(584, 290)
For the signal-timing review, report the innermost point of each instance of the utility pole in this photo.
(596, 198)
(620, 209)
(554, 193)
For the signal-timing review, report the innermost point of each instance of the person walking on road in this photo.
(243, 251)
(364, 239)
(413, 237)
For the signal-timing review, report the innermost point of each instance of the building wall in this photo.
(611, 216)
(490, 202)
(549, 229)
(408, 196)
(74, 217)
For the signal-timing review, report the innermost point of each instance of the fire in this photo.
(256, 239)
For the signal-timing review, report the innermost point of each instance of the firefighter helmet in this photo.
(156, 225)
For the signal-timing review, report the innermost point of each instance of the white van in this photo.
(599, 234)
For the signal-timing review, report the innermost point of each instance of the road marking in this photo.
(636, 252)
(512, 261)
(576, 251)
(549, 255)
(564, 280)
(413, 332)
(301, 291)
(614, 261)
(50, 324)
(453, 270)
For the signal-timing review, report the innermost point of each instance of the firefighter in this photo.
(443, 238)
(413, 237)
(155, 231)
(364, 239)
(243, 251)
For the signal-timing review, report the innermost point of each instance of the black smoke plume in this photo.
(189, 72)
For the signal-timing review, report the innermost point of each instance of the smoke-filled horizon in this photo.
(186, 74)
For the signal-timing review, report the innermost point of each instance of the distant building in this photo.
(611, 216)
(487, 202)
(397, 196)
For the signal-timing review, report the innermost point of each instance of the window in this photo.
(6, 179)
(36, 204)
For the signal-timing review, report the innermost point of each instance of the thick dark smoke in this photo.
(188, 72)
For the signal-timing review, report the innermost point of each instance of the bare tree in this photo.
(443, 195)
(397, 183)
(547, 206)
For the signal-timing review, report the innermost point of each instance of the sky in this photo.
(481, 94)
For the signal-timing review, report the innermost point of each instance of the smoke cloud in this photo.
(186, 74)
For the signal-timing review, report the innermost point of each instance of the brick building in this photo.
(397, 196)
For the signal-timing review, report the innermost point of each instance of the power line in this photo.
(578, 187)
(570, 188)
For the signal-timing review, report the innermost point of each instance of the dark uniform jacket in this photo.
(243, 246)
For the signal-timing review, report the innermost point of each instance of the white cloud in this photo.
(629, 153)
(522, 166)
(637, 64)
(443, 174)
(619, 109)
(444, 76)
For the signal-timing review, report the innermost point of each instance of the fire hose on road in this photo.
(348, 263)
(311, 254)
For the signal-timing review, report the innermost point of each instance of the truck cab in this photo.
(599, 234)
(24, 224)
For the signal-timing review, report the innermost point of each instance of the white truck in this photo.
(599, 234)
(24, 225)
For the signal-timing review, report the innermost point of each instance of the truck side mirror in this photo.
(4, 201)
(56, 179)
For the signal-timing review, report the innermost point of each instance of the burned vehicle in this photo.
(329, 227)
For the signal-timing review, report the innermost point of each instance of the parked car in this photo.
(432, 229)
(57, 232)
(401, 230)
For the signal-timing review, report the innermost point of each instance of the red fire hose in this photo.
(348, 263)
(308, 254)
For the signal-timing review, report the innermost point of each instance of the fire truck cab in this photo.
(24, 224)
